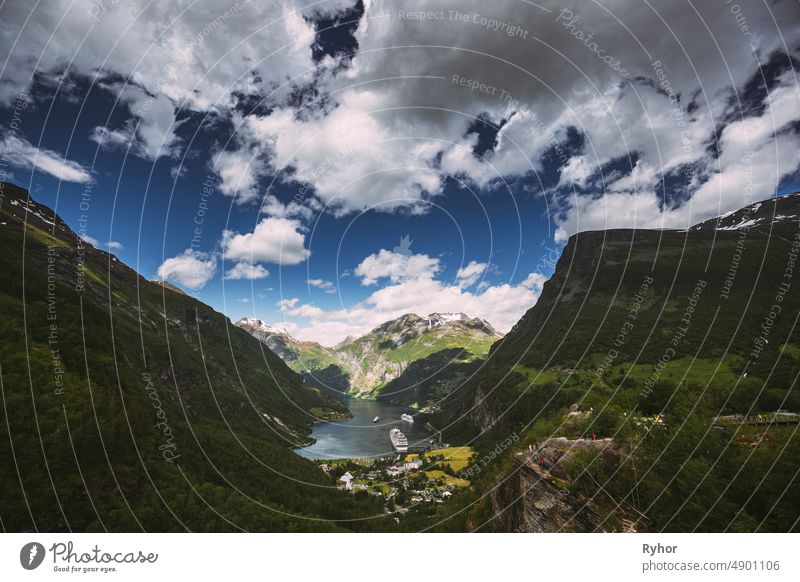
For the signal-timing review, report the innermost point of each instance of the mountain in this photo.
(129, 406)
(299, 355)
(372, 360)
(426, 383)
(645, 337)
(384, 353)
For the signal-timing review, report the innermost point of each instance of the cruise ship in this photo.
(407, 417)
(399, 440)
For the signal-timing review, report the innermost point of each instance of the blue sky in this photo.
(271, 160)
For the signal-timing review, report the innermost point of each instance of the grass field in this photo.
(534, 376)
(692, 371)
(454, 481)
(425, 346)
(456, 457)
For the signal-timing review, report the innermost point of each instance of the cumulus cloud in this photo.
(415, 290)
(111, 245)
(293, 308)
(191, 269)
(326, 286)
(21, 153)
(534, 281)
(467, 276)
(272, 206)
(151, 131)
(395, 267)
(502, 305)
(351, 156)
(246, 271)
(385, 129)
(239, 172)
(274, 240)
(756, 154)
(198, 57)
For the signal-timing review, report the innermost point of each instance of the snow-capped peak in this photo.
(255, 324)
(448, 316)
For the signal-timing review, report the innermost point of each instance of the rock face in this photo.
(301, 356)
(536, 496)
(275, 338)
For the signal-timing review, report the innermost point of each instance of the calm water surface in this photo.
(360, 437)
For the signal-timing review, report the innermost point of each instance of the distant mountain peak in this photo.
(449, 316)
(253, 324)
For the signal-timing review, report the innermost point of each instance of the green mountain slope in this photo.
(427, 382)
(128, 406)
(645, 337)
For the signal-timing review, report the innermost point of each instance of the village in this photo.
(404, 480)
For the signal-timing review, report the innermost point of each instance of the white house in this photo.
(413, 465)
(346, 482)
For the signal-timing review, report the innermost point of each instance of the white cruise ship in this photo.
(399, 440)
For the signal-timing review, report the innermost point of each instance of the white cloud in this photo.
(274, 240)
(290, 308)
(238, 171)
(21, 153)
(271, 206)
(190, 269)
(326, 286)
(386, 125)
(469, 275)
(111, 245)
(756, 154)
(412, 288)
(246, 271)
(502, 305)
(286, 304)
(91, 240)
(577, 171)
(350, 156)
(151, 131)
(534, 281)
(395, 267)
(197, 56)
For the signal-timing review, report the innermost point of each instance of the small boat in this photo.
(407, 417)
(376, 419)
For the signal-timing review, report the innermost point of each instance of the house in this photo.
(413, 465)
(346, 482)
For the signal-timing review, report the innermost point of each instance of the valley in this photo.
(363, 367)
(640, 393)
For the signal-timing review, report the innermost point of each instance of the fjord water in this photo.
(360, 437)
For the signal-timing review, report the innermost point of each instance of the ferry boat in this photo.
(407, 417)
(376, 419)
(399, 440)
